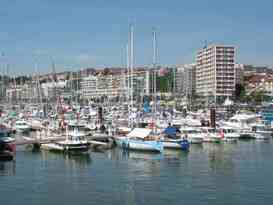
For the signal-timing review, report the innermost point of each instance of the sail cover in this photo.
(140, 133)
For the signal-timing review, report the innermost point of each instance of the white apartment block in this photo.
(114, 85)
(215, 73)
(239, 73)
(186, 79)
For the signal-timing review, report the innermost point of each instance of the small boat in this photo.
(210, 135)
(7, 145)
(229, 134)
(22, 126)
(75, 142)
(140, 139)
(260, 131)
(194, 135)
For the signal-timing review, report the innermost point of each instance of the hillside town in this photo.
(214, 76)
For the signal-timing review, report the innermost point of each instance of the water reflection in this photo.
(7, 168)
(77, 160)
(220, 157)
(120, 154)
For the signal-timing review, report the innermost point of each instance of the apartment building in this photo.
(186, 79)
(215, 73)
(113, 85)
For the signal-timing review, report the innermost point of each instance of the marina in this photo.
(136, 102)
(219, 172)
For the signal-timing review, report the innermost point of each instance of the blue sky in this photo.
(93, 33)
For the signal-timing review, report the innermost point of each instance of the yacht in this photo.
(75, 142)
(172, 139)
(260, 131)
(194, 135)
(22, 126)
(229, 134)
(210, 135)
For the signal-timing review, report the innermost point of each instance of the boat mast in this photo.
(38, 84)
(154, 76)
(132, 62)
(54, 81)
(128, 73)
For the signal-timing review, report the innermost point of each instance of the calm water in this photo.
(239, 173)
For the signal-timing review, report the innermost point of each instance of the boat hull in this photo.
(195, 140)
(55, 147)
(176, 144)
(7, 150)
(130, 144)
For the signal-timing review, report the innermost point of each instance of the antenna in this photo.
(205, 44)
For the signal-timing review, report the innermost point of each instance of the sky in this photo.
(78, 34)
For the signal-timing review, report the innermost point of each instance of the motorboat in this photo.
(22, 126)
(210, 135)
(228, 134)
(194, 134)
(260, 131)
(7, 144)
(75, 142)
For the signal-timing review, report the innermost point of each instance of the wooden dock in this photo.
(97, 139)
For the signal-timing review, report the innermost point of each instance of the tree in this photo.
(240, 92)
(258, 96)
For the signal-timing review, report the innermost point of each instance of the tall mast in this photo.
(132, 62)
(128, 71)
(37, 84)
(154, 73)
(54, 80)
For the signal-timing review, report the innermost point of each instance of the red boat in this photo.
(7, 144)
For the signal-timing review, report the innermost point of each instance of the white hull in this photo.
(22, 129)
(212, 139)
(230, 139)
(195, 140)
(262, 135)
(171, 145)
(66, 146)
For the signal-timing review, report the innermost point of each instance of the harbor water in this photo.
(240, 173)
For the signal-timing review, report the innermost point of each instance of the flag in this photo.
(222, 135)
(162, 72)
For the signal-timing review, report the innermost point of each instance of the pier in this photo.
(95, 141)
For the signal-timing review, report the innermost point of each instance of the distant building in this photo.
(114, 85)
(2, 90)
(186, 79)
(53, 90)
(251, 69)
(215, 73)
(259, 82)
(239, 73)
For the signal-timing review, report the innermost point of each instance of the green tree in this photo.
(240, 93)
(258, 96)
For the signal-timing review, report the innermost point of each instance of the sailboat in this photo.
(140, 139)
